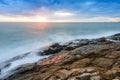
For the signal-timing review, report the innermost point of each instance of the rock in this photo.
(118, 34)
(62, 74)
(82, 59)
(77, 71)
(118, 61)
(96, 78)
(18, 57)
(113, 55)
(54, 48)
(109, 74)
(5, 65)
(0, 71)
(115, 79)
(103, 62)
(84, 76)
(81, 63)
(76, 43)
(102, 39)
(115, 37)
(52, 78)
(81, 42)
(54, 59)
(69, 48)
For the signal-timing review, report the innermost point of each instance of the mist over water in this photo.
(19, 38)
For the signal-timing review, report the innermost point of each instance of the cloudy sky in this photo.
(60, 10)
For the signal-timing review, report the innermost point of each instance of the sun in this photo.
(41, 19)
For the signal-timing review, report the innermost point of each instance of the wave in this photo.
(66, 38)
(11, 64)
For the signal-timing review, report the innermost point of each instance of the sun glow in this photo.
(40, 19)
(23, 19)
(60, 17)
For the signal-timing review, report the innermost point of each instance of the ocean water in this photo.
(20, 38)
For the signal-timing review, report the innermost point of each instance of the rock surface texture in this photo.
(82, 59)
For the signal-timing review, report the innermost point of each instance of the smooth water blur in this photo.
(19, 38)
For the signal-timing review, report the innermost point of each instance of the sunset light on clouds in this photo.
(59, 10)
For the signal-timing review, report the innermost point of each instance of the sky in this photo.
(59, 10)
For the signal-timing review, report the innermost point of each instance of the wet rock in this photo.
(5, 65)
(69, 48)
(54, 48)
(115, 37)
(0, 71)
(76, 43)
(18, 57)
(118, 34)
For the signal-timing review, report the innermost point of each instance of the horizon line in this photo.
(61, 22)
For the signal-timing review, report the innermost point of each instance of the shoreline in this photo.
(57, 50)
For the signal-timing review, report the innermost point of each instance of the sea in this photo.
(17, 38)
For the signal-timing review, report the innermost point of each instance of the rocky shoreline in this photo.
(81, 59)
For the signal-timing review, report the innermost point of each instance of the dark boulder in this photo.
(115, 37)
(54, 48)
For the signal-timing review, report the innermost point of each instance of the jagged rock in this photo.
(94, 59)
(115, 37)
(54, 48)
(76, 43)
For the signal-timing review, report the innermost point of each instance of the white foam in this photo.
(19, 50)
(31, 58)
(66, 38)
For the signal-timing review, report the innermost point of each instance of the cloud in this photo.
(61, 9)
(63, 14)
(49, 19)
(23, 19)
